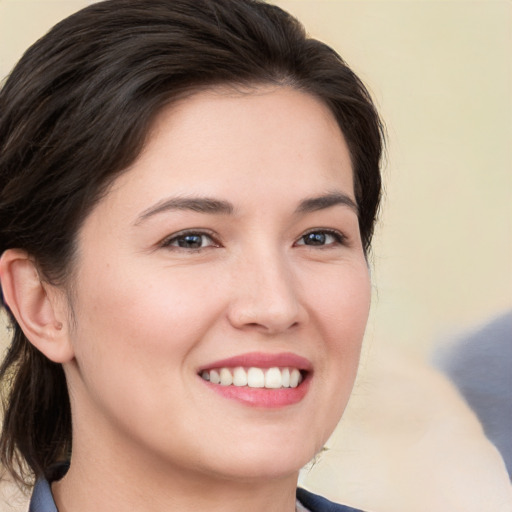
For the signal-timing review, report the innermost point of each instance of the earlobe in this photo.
(38, 307)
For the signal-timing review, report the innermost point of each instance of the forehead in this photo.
(241, 143)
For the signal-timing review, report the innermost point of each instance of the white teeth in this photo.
(240, 377)
(214, 377)
(294, 378)
(285, 377)
(272, 378)
(255, 378)
(226, 379)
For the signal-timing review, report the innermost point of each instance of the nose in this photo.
(265, 296)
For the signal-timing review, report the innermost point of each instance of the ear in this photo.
(39, 308)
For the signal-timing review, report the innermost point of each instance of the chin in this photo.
(262, 470)
(265, 459)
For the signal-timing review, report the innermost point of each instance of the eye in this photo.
(321, 237)
(190, 240)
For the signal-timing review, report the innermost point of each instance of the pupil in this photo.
(190, 241)
(315, 239)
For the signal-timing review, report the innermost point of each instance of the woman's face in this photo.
(229, 250)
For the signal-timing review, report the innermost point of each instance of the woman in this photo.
(188, 194)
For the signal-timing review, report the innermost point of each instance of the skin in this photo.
(146, 313)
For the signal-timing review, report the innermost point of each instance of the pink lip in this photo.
(262, 360)
(262, 397)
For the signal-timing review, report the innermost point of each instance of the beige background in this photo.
(441, 74)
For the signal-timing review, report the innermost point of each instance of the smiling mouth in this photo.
(254, 377)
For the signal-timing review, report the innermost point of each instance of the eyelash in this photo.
(176, 237)
(339, 238)
(174, 240)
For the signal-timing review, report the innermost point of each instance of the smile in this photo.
(259, 379)
(254, 377)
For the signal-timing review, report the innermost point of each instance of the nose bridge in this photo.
(266, 291)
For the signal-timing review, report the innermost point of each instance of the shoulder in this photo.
(42, 499)
(315, 503)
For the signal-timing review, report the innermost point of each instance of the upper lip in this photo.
(262, 360)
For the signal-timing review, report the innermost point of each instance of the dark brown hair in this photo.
(75, 112)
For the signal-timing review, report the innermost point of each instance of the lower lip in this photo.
(262, 397)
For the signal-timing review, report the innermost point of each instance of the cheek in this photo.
(143, 322)
(340, 313)
(341, 303)
(147, 300)
(132, 345)
(348, 318)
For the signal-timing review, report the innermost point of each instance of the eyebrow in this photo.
(322, 202)
(221, 207)
(196, 204)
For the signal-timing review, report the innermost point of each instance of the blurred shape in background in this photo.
(480, 365)
(409, 442)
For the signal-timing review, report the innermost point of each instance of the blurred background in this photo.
(440, 72)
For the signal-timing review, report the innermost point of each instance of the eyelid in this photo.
(166, 242)
(340, 238)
